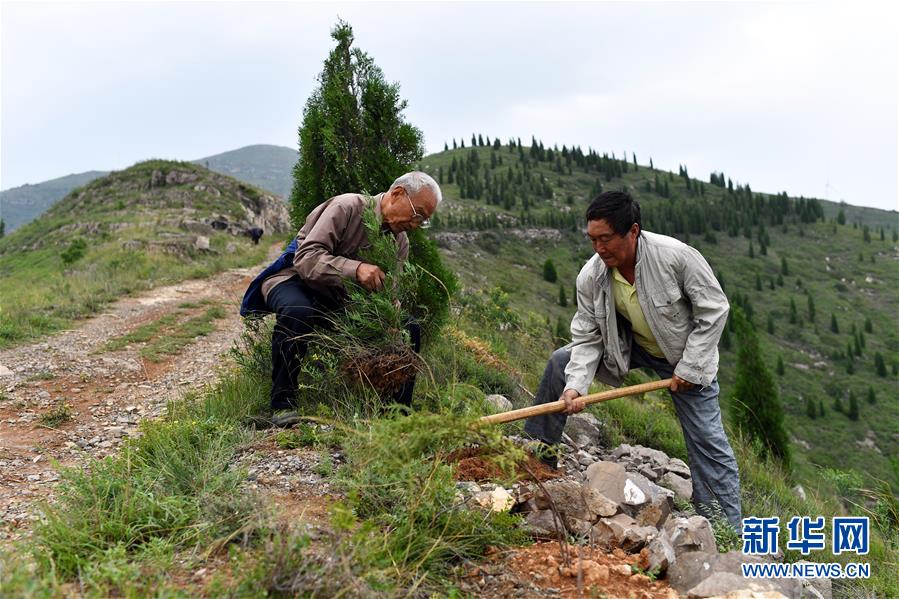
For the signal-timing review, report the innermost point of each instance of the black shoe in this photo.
(285, 418)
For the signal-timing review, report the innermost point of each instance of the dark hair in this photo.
(618, 208)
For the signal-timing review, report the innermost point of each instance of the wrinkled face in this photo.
(402, 212)
(616, 251)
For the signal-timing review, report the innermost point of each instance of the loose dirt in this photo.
(100, 397)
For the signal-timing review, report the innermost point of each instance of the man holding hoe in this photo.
(647, 301)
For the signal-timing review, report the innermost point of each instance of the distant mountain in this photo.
(265, 166)
(154, 223)
(23, 204)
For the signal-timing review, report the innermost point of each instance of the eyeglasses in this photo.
(602, 239)
(423, 222)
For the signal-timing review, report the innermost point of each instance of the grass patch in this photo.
(182, 335)
(58, 414)
(141, 334)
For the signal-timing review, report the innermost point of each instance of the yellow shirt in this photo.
(627, 305)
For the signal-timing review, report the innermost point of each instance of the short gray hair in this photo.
(415, 181)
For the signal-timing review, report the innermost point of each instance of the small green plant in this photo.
(304, 435)
(652, 574)
(727, 538)
(58, 414)
(75, 252)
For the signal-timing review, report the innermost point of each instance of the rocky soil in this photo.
(99, 397)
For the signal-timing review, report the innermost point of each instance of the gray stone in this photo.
(799, 492)
(583, 428)
(677, 466)
(703, 574)
(622, 487)
(622, 531)
(648, 472)
(816, 588)
(542, 524)
(622, 450)
(690, 534)
(575, 500)
(655, 512)
(648, 454)
(4, 371)
(499, 402)
(682, 488)
(231, 248)
(201, 243)
(659, 553)
(584, 458)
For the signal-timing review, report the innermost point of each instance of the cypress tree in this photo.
(354, 138)
(758, 282)
(869, 326)
(834, 326)
(821, 408)
(872, 397)
(780, 365)
(784, 269)
(838, 404)
(810, 409)
(811, 308)
(549, 271)
(770, 324)
(794, 317)
(2, 228)
(751, 251)
(853, 407)
(563, 300)
(756, 407)
(879, 365)
(780, 280)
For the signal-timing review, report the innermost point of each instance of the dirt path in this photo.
(100, 396)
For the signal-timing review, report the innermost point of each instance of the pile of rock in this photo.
(624, 499)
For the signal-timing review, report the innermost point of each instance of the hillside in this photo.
(154, 223)
(510, 209)
(23, 204)
(265, 166)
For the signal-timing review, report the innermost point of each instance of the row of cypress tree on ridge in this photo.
(515, 178)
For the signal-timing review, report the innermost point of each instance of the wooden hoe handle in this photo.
(559, 404)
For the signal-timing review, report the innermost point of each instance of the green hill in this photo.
(265, 166)
(23, 204)
(509, 209)
(154, 223)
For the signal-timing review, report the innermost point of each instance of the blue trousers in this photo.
(297, 310)
(713, 467)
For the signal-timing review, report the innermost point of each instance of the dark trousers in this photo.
(712, 463)
(297, 310)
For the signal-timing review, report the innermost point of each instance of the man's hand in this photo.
(573, 404)
(370, 276)
(678, 384)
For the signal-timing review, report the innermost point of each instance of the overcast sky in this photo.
(786, 97)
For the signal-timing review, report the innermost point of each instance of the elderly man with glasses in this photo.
(307, 280)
